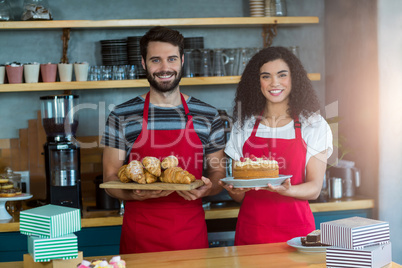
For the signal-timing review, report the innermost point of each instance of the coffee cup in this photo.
(14, 73)
(65, 72)
(2, 74)
(31, 72)
(81, 71)
(48, 72)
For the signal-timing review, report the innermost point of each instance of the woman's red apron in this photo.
(267, 217)
(171, 222)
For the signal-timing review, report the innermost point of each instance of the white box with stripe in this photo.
(50, 221)
(354, 232)
(47, 249)
(367, 257)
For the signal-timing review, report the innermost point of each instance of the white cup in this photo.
(65, 72)
(81, 71)
(31, 72)
(2, 73)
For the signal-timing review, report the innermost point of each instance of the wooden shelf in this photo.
(185, 22)
(138, 83)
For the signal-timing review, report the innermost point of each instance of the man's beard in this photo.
(164, 86)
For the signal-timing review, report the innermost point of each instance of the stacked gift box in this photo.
(50, 231)
(356, 242)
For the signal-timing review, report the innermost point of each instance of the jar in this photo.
(280, 8)
(12, 177)
(36, 10)
(5, 11)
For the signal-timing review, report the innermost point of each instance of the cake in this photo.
(255, 167)
(313, 239)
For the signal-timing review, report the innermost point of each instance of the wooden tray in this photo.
(151, 186)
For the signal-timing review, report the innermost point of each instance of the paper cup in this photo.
(81, 71)
(48, 72)
(2, 73)
(14, 74)
(31, 72)
(65, 72)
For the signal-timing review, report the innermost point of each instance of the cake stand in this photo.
(3, 211)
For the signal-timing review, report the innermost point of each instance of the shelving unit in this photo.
(268, 24)
(139, 83)
(185, 22)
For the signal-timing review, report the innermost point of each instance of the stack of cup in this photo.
(31, 72)
(270, 10)
(2, 73)
(14, 73)
(65, 72)
(48, 72)
(81, 71)
(257, 8)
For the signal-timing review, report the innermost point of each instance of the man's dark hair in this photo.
(161, 34)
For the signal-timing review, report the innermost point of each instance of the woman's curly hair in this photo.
(250, 101)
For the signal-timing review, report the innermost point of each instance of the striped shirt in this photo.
(124, 123)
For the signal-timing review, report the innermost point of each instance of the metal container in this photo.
(335, 188)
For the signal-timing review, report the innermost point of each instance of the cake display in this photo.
(255, 167)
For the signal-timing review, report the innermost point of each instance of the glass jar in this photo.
(280, 8)
(36, 10)
(12, 177)
(5, 11)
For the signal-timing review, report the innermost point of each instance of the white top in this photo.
(315, 132)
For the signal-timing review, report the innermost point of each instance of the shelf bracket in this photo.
(268, 34)
(65, 37)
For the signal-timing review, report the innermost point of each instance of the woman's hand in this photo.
(236, 193)
(282, 189)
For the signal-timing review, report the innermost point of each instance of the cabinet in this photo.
(268, 24)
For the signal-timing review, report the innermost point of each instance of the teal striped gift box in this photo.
(50, 221)
(47, 249)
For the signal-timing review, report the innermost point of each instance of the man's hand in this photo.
(197, 193)
(141, 195)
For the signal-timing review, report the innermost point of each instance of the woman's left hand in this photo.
(280, 189)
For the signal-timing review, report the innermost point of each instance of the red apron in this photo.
(171, 222)
(267, 217)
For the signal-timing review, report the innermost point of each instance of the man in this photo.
(160, 123)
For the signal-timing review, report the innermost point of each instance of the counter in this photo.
(263, 255)
(111, 218)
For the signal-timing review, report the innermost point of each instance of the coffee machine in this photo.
(62, 151)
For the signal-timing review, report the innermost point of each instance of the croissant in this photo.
(122, 174)
(135, 171)
(177, 175)
(169, 161)
(153, 165)
(149, 178)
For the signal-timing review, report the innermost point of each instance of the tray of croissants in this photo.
(153, 174)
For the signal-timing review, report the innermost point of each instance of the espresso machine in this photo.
(62, 151)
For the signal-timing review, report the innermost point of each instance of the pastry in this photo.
(149, 178)
(122, 174)
(253, 168)
(135, 171)
(177, 175)
(6, 185)
(8, 192)
(3, 179)
(313, 239)
(117, 262)
(153, 165)
(169, 161)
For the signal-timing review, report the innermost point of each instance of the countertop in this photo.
(112, 218)
(263, 255)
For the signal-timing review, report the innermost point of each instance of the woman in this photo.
(276, 116)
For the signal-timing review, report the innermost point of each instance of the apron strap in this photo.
(297, 126)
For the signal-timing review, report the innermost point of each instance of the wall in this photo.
(390, 128)
(363, 66)
(46, 46)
